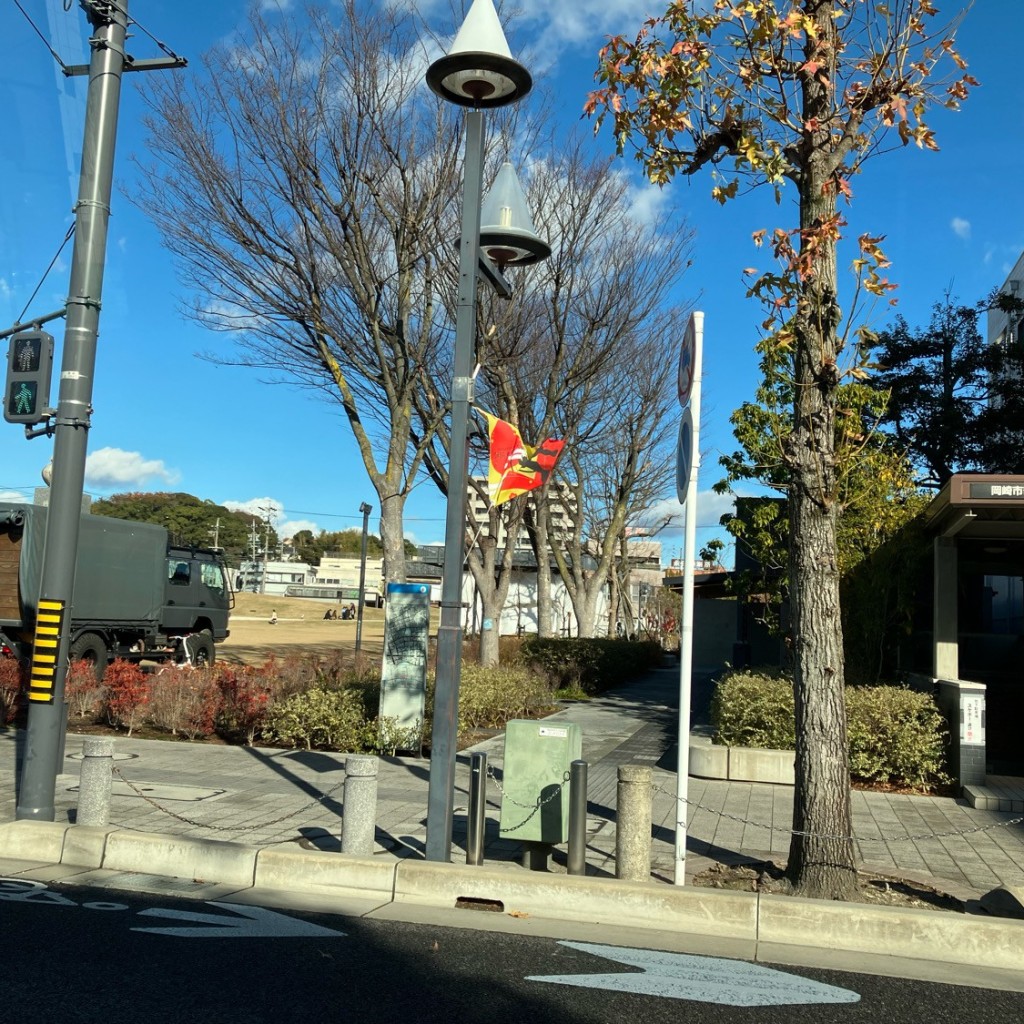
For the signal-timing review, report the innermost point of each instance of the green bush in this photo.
(489, 697)
(320, 719)
(896, 736)
(592, 664)
(754, 709)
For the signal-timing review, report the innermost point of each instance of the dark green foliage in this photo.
(188, 520)
(896, 736)
(956, 402)
(592, 664)
(878, 600)
(346, 543)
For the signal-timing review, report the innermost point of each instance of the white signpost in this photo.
(687, 465)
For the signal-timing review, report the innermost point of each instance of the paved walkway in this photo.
(261, 796)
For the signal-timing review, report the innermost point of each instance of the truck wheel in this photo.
(201, 648)
(90, 648)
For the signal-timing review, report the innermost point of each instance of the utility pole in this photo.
(366, 510)
(47, 713)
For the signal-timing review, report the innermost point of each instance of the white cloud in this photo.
(648, 204)
(710, 509)
(14, 496)
(112, 467)
(961, 228)
(261, 508)
(288, 528)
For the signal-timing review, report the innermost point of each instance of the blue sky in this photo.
(167, 420)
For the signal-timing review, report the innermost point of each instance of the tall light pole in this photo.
(47, 716)
(366, 510)
(478, 72)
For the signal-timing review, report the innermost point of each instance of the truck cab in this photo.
(198, 593)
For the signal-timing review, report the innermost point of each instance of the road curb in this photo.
(711, 912)
(761, 923)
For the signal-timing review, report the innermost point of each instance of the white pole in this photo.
(686, 623)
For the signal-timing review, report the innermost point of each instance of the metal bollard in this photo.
(477, 806)
(359, 819)
(633, 829)
(94, 781)
(576, 863)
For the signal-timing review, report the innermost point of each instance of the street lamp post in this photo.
(478, 72)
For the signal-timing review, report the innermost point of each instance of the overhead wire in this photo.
(67, 237)
(46, 42)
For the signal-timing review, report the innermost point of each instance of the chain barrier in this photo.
(225, 828)
(696, 805)
(532, 808)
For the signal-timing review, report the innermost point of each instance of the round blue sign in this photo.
(684, 455)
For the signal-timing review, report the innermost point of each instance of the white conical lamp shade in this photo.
(479, 70)
(507, 235)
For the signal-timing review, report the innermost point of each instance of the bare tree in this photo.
(566, 340)
(621, 465)
(308, 186)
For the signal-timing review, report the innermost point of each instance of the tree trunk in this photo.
(820, 866)
(493, 589)
(821, 857)
(536, 520)
(392, 538)
(586, 612)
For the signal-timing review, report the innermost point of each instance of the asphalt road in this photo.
(103, 957)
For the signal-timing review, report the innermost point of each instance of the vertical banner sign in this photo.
(403, 680)
(687, 464)
(49, 622)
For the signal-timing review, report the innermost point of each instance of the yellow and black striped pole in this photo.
(49, 624)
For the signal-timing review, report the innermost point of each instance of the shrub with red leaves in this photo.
(82, 690)
(11, 677)
(127, 693)
(244, 701)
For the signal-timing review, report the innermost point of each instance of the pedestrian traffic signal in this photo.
(29, 368)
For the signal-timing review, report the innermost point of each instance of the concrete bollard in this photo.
(94, 781)
(359, 820)
(633, 825)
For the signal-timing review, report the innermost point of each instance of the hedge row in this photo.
(896, 736)
(591, 664)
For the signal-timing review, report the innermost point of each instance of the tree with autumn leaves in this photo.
(795, 95)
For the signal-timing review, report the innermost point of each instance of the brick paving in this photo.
(263, 796)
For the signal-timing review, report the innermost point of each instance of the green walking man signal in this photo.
(29, 369)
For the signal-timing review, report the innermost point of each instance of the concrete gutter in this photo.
(758, 927)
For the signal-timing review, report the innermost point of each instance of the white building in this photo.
(1006, 328)
(271, 577)
(561, 501)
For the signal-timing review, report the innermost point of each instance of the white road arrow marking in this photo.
(252, 923)
(699, 978)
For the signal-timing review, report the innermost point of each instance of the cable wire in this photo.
(67, 237)
(53, 53)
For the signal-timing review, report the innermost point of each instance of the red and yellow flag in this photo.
(514, 467)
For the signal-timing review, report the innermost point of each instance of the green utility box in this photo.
(535, 787)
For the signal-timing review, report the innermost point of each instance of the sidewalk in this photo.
(262, 796)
